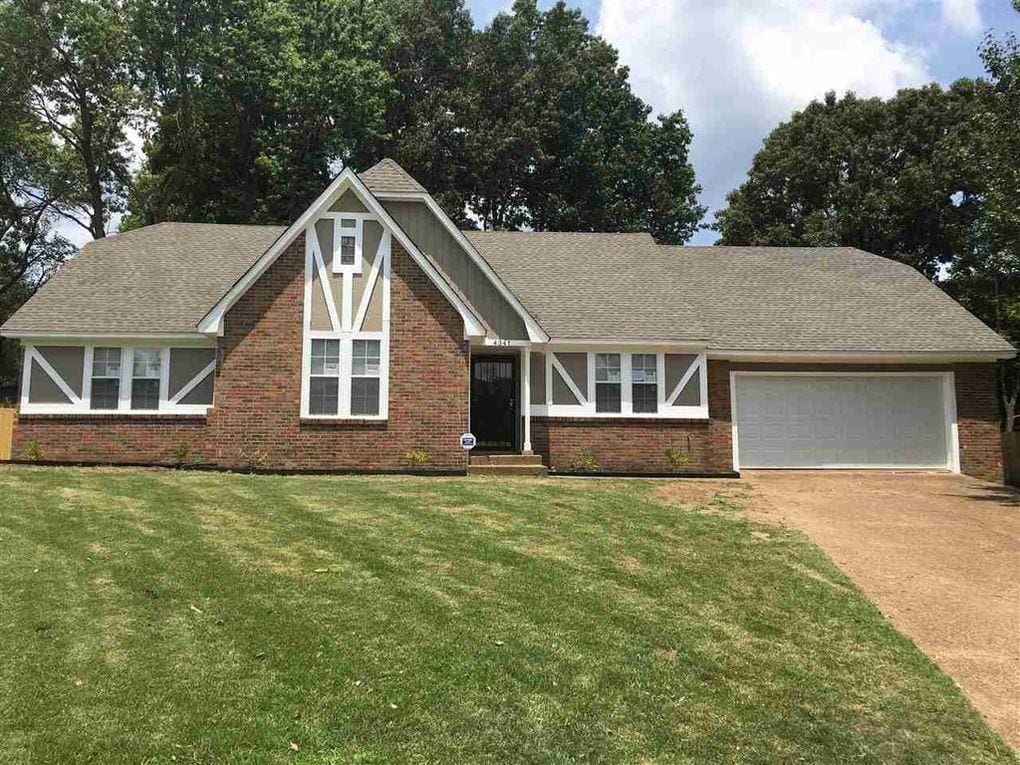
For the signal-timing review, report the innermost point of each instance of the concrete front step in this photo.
(506, 459)
(506, 470)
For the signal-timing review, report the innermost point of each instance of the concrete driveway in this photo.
(940, 556)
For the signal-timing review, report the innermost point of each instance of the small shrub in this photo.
(418, 457)
(586, 461)
(32, 451)
(183, 452)
(678, 458)
(254, 453)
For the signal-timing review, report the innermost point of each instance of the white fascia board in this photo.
(212, 322)
(609, 344)
(112, 338)
(861, 357)
(535, 333)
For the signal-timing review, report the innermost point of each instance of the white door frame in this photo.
(948, 403)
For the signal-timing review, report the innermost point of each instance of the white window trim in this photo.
(586, 409)
(359, 239)
(81, 405)
(948, 380)
(346, 329)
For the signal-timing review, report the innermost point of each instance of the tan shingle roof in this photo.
(738, 298)
(165, 278)
(387, 177)
(590, 286)
(161, 278)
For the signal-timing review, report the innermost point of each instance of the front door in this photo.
(494, 402)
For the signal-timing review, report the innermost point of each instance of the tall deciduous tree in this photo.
(986, 278)
(29, 247)
(75, 57)
(892, 177)
(558, 141)
(256, 101)
(425, 120)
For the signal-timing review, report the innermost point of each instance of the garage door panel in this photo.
(837, 421)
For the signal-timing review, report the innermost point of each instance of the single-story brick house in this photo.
(371, 333)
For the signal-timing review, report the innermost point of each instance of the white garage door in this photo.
(841, 421)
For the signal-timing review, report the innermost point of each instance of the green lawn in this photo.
(153, 615)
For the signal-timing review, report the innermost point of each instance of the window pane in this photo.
(105, 393)
(145, 394)
(325, 357)
(645, 397)
(643, 368)
(365, 395)
(106, 362)
(347, 250)
(348, 223)
(607, 367)
(607, 397)
(147, 363)
(323, 394)
(365, 360)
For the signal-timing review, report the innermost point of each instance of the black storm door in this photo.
(494, 402)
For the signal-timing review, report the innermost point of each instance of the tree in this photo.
(986, 279)
(73, 56)
(424, 122)
(557, 140)
(255, 104)
(29, 248)
(891, 177)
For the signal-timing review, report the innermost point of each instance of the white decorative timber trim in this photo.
(34, 355)
(581, 400)
(698, 365)
(586, 407)
(193, 382)
(82, 405)
(320, 268)
(382, 255)
(212, 322)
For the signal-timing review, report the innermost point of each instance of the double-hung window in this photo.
(365, 373)
(146, 370)
(607, 382)
(105, 378)
(644, 375)
(324, 385)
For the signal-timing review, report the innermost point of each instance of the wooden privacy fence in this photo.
(1011, 457)
(6, 432)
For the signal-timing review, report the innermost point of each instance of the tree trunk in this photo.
(97, 218)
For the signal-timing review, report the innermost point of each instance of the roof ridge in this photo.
(387, 175)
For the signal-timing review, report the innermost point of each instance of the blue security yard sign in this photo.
(468, 442)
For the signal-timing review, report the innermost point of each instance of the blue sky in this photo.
(739, 67)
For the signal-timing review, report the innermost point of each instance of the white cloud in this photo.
(737, 69)
(962, 15)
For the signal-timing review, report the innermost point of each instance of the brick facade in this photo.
(644, 445)
(256, 418)
(641, 445)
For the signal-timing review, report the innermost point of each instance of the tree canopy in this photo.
(930, 177)
(529, 122)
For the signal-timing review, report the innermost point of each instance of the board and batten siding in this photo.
(433, 239)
